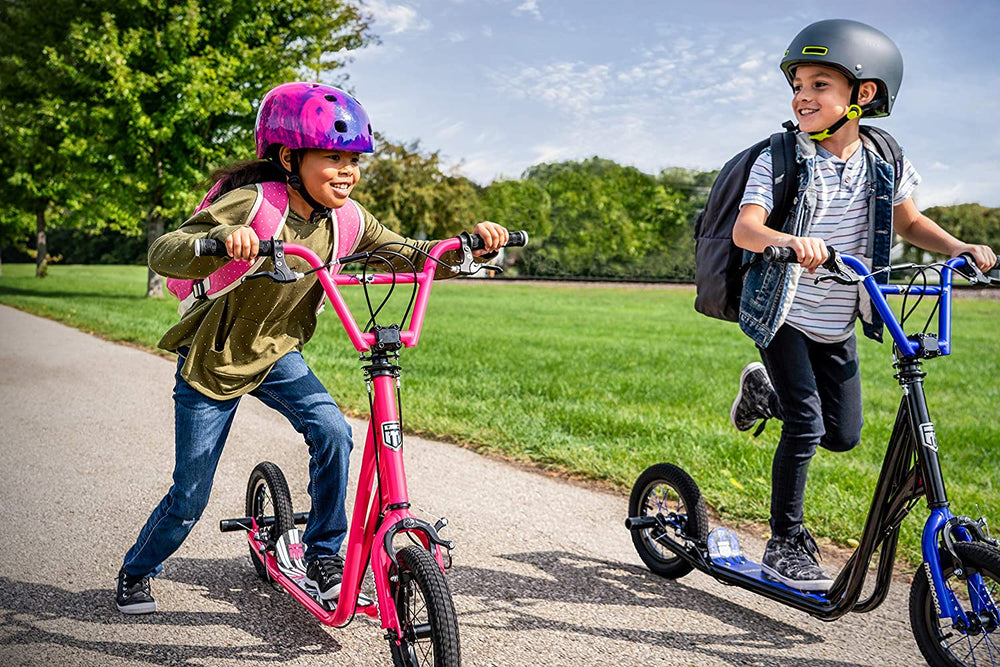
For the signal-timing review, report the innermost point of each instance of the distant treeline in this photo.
(592, 218)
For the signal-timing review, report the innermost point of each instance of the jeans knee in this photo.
(187, 506)
(329, 431)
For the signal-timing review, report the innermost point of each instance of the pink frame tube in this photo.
(363, 341)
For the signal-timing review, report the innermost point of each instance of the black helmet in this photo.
(860, 51)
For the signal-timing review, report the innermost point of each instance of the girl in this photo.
(249, 341)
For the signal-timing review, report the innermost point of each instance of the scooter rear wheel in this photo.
(666, 489)
(941, 644)
(267, 497)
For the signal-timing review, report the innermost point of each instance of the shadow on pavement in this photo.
(265, 626)
(515, 602)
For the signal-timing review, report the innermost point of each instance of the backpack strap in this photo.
(350, 225)
(266, 218)
(887, 148)
(784, 174)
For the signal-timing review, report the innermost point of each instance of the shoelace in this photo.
(328, 566)
(808, 543)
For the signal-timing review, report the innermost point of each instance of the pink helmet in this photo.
(312, 115)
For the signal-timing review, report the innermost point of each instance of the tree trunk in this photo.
(42, 260)
(154, 230)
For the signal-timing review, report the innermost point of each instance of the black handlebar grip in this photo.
(209, 248)
(518, 239)
(514, 239)
(773, 253)
(216, 248)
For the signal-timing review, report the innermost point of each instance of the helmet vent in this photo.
(340, 126)
(814, 50)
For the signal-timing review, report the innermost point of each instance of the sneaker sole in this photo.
(331, 593)
(137, 608)
(751, 367)
(811, 586)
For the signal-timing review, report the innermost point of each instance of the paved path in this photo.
(544, 573)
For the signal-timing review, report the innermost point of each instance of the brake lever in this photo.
(839, 272)
(281, 273)
(970, 271)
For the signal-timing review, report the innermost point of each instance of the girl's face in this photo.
(821, 97)
(329, 176)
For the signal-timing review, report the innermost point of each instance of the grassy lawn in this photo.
(601, 382)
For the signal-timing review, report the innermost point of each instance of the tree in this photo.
(42, 117)
(171, 90)
(970, 222)
(407, 191)
(607, 220)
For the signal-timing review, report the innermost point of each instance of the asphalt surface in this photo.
(545, 573)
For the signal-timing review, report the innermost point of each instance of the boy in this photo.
(839, 71)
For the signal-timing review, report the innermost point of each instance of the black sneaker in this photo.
(133, 595)
(792, 561)
(325, 575)
(753, 401)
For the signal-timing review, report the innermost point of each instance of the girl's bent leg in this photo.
(292, 389)
(201, 428)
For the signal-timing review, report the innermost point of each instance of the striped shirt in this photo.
(826, 311)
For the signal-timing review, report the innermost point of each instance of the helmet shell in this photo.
(302, 114)
(858, 50)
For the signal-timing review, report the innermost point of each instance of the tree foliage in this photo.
(409, 193)
(152, 94)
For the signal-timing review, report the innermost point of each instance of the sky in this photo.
(496, 86)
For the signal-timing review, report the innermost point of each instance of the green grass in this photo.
(601, 382)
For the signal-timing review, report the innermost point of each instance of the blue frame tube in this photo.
(910, 348)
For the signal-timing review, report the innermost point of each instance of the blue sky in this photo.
(499, 85)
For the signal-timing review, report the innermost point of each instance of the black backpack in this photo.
(719, 266)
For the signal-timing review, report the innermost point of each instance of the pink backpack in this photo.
(267, 217)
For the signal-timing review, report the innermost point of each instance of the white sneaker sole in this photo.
(138, 608)
(811, 586)
(330, 594)
(750, 368)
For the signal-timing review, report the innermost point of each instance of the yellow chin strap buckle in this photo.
(853, 111)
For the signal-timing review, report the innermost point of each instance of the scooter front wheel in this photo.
(667, 490)
(943, 645)
(270, 504)
(426, 612)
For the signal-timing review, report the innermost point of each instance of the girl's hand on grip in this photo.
(243, 244)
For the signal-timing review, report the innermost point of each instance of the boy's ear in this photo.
(867, 92)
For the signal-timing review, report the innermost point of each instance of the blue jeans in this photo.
(818, 387)
(201, 428)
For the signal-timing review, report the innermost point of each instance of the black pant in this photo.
(818, 387)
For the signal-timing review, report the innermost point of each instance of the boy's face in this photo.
(821, 97)
(330, 176)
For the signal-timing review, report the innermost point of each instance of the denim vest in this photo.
(768, 289)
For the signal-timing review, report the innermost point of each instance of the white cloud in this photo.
(396, 18)
(529, 7)
(572, 87)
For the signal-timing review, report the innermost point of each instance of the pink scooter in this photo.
(414, 602)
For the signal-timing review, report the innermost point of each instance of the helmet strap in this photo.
(295, 182)
(854, 110)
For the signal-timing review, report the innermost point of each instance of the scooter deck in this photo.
(739, 565)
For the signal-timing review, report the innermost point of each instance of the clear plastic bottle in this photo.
(724, 545)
